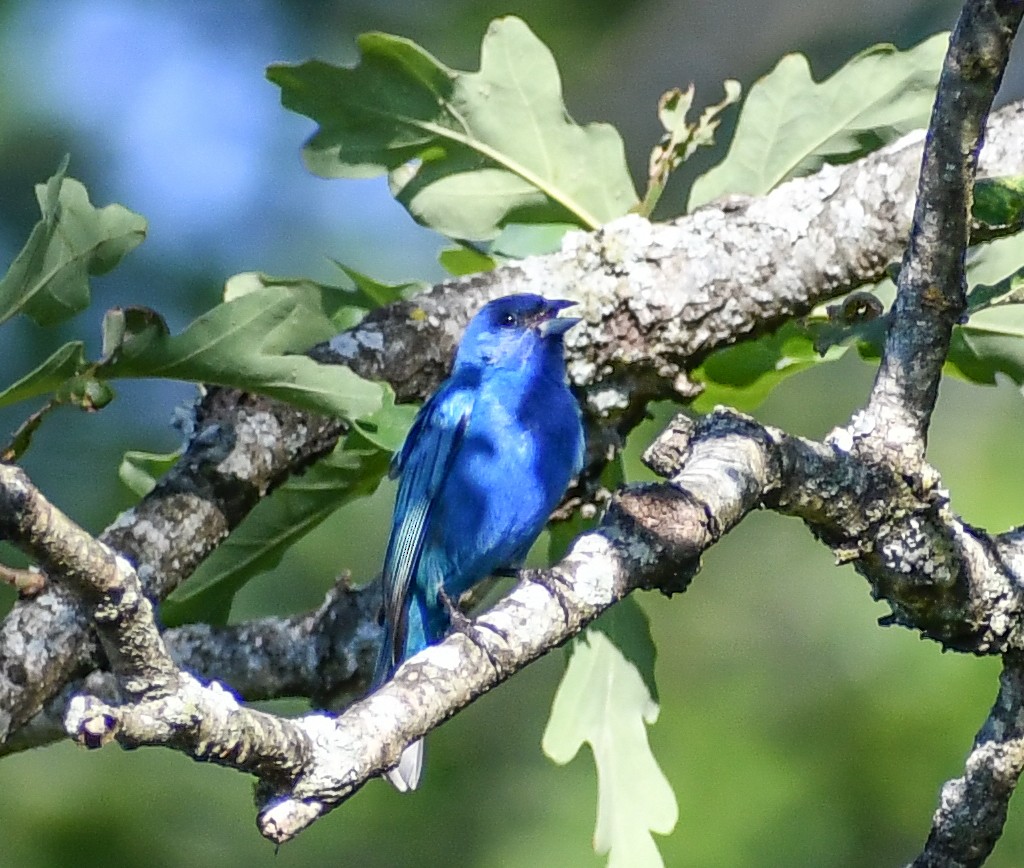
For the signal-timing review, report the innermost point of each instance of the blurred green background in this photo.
(794, 730)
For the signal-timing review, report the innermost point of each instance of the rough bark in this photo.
(656, 299)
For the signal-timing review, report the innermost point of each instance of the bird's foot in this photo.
(459, 621)
(473, 630)
(555, 584)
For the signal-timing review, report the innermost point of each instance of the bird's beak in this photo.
(549, 323)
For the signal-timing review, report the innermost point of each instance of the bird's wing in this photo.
(423, 463)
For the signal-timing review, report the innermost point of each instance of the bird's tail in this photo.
(406, 775)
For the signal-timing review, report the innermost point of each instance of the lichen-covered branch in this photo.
(972, 808)
(159, 704)
(719, 469)
(964, 578)
(953, 582)
(658, 298)
(239, 448)
(932, 290)
(326, 655)
(105, 581)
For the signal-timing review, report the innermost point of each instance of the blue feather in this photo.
(487, 459)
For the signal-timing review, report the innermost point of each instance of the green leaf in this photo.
(131, 330)
(387, 427)
(991, 341)
(992, 262)
(139, 471)
(86, 392)
(65, 363)
(353, 470)
(519, 240)
(995, 345)
(459, 261)
(1009, 290)
(255, 342)
(342, 307)
(466, 152)
(743, 375)
(790, 125)
(999, 203)
(49, 279)
(606, 697)
(370, 293)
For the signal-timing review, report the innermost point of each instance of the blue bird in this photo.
(487, 459)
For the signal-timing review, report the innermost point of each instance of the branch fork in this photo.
(867, 491)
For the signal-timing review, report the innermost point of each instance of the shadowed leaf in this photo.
(353, 470)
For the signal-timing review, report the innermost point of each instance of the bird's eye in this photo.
(508, 320)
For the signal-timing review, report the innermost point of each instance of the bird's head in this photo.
(515, 331)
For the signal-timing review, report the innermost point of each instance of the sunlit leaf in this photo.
(255, 342)
(606, 699)
(519, 240)
(459, 261)
(139, 471)
(342, 307)
(49, 279)
(466, 152)
(65, 363)
(790, 125)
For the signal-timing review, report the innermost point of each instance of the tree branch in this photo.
(932, 291)
(240, 447)
(719, 469)
(972, 809)
(657, 298)
(931, 298)
(652, 536)
(326, 655)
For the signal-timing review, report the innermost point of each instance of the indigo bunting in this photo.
(487, 459)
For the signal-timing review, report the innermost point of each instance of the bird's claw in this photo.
(472, 630)
(458, 620)
(555, 584)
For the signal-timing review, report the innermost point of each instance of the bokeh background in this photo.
(794, 730)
